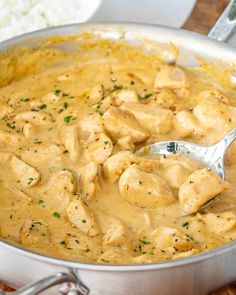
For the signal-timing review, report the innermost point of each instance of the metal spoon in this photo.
(211, 156)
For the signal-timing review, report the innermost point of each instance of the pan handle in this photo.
(71, 286)
(226, 24)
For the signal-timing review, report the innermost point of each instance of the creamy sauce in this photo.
(58, 194)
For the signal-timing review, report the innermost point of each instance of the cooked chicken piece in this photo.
(213, 94)
(96, 94)
(92, 123)
(5, 110)
(26, 175)
(155, 120)
(166, 99)
(125, 143)
(214, 114)
(70, 139)
(144, 189)
(184, 254)
(5, 157)
(164, 237)
(187, 125)
(99, 148)
(147, 164)
(45, 151)
(52, 96)
(18, 193)
(171, 78)
(82, 242)
(102, 106)
(114, 231)
(61, 181)
(29, 130)
(115, 256)
(220, 222)
(178, 166)
(37, 118)
(35, 234)
(200, 187)
(87, 179)
(82, 217)
(125, 95)
(120, 123)
(116, 165)
(9, 139)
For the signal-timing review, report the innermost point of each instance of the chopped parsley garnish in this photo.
(62, 242)
(104, 260)
(25, 99)
(57, 92)
(65, 105)
(116, 88)
(30, 180)
(56, 214)
(40, 201)
(146, 96)
(84, 221)
(42, 106)
(36, 141)
(11, 125)
(69, 118)
(144, 242)
(186, 224)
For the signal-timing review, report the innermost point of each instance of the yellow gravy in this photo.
(71, 185)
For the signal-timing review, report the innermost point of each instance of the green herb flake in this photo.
(25, 99)
(116, 88)
(144, 242)
(65, 106)
(40, 201)
(69, 118)
(84, 221)
(58, 92)
(56, 214)
(30, 180)
(146, 96)
(185, 224)
(42, 106)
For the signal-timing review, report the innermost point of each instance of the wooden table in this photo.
(203, 17)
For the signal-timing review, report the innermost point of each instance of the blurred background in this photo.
(21, 16)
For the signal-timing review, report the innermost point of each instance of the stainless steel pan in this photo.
(196, 275)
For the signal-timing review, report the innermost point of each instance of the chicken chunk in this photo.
(144, 189)
(187, 125)
(87, 179)
(170, 77)
(5, 110)
(26, 175)
(156, 120)
(37, 118)
(201, 186)
(102, 106)
(99, 148)
(166, 99)
(116, 165)
(114, 231)
(120, 123)
(125, 143)
(61, 181)
(70, 139)
(164, 237)
(115, 256)
(125, 95)
(82, 217)
(35, 234)
(92, 123)
(214, 114)
(213, 94)
(219, 223)
(96, 94)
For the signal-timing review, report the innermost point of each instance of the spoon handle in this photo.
(226, 141)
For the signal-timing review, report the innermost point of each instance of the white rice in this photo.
(21, 16)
